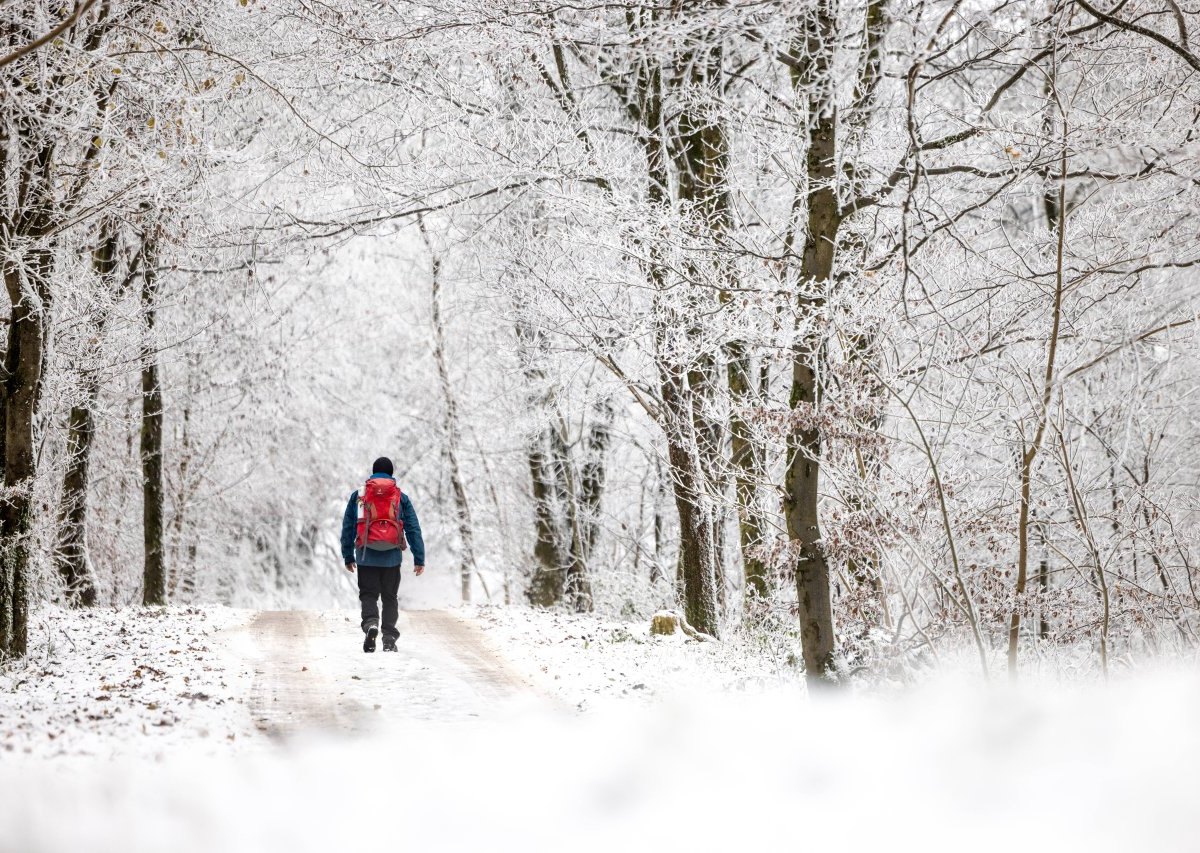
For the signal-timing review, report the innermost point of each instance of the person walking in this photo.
(378, 520)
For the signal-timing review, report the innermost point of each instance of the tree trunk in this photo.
(802, 507)
(704, 383)
(154, 575)
(577, 586)
(1043, 575)
(7, 377)
(466, 532)
(1046, 393)
(549, 573)
(749, 466)
(546, 470)
(660, 538)
(74, 559)
(696, 568)
(595, 473)
(583, 503)
(183, 556)
(802, 483)
(697, 560)
(700, 151)
(22, 394)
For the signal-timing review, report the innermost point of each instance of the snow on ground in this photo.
(587, 662)
(311, 673)
(704, 764)
(1106, 769)
(107, 682)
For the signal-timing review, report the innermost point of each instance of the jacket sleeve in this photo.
(412, 531)
(349, 523)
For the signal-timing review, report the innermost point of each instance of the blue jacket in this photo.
(371, 557)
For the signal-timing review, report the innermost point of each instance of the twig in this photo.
(69, 22)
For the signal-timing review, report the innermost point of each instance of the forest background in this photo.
(865, 329)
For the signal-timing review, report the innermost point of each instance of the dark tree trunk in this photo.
(697, 560)
(7, 370)
(577, 586)
(749, 465)
(154, 575)
(700, 151)
(181, 568)
(29, 295)
(584, 507)
(547, 471)
(182, 584)
(595, 473)
(802, 483)
(704, 382)
(660, 539)
(549, 572)
(22, 393)
(697, 570)
(802, 515)
(566, 504)
(74, 560)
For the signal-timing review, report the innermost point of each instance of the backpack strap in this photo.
(366, 510)
(400, 540)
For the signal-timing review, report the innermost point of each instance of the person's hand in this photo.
(418, 570)
(350, 568)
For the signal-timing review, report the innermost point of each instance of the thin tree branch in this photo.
(70, 21)
(1121, 24)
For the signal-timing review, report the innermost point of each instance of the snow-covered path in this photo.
(310, 674)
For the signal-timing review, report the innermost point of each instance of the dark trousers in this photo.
(375, 582)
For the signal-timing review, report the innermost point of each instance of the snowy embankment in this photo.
(119, 682)
(586, 662)
(711, 755)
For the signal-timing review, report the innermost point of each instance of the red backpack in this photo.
(380, 526)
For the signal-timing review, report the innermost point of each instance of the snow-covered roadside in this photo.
(125, 682)
(586, 662)
(1104, 768)
(728, 754)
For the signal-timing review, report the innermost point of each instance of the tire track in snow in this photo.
(312, 676)
(289, 694)
(464, 642)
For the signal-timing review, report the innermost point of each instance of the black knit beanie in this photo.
(382, 465)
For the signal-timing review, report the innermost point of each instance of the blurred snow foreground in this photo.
(218, 730)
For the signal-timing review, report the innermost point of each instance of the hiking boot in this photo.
(389, 644)
(369, 642)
